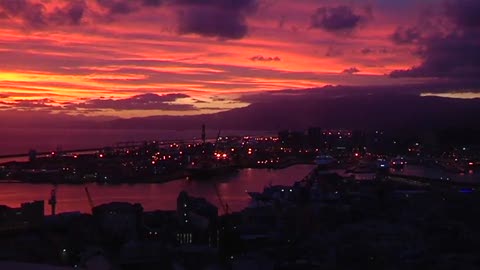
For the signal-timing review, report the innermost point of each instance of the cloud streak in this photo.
(146, 101)
(351, 70)
(261, 58)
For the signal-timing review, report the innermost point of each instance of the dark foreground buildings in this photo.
(324, 221)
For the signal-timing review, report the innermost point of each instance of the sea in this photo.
(20, 140)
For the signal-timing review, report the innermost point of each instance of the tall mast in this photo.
(203, 134)
(53, 200)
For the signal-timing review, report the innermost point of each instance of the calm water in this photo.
(155, 196)
(15, 140)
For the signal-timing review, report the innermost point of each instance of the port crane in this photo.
(221, 201)
(89, 197)
(53, 200)
(215, 185)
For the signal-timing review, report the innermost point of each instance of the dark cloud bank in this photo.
(336, 19)
(216, 18)
(450, 54)
(34, 14)
(212, 18)
(225, 19)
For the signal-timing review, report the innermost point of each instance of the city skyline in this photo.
(116, 58)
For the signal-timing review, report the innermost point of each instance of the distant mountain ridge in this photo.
(384, 107)
(377, 111)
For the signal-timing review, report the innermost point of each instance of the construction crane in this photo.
(220, 200)
(218, 136)
(53, 200)
(90, 201)
(217, 192)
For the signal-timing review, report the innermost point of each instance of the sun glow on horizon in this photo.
(457, 95)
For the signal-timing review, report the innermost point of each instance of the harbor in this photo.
(229, 202)
(233, 188)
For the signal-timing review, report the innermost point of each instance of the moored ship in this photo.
(324, 161)
(209, 169)
(211, 162)
(398, 163)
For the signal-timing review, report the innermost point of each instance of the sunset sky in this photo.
(127, 58)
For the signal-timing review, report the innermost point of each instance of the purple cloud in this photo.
(409, 35)
(262, 58)
(119, 6)
(335, 19)
(454, 53)
(366, 51)
(463, 13)
(13, 7)
(215, 18)
(147, 101)
(72, 13)
(212, 23)
(34, 14)
(333, 51)
(235, 5)
(30, 103)
(225, 19)
(351, 70)
(152, 3)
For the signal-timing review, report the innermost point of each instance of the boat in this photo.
(271, 193)
(363, 167)
(258, 196)
(324, 161)
(398, 163)
(383, 165)
(210, 164)
(208, 170)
